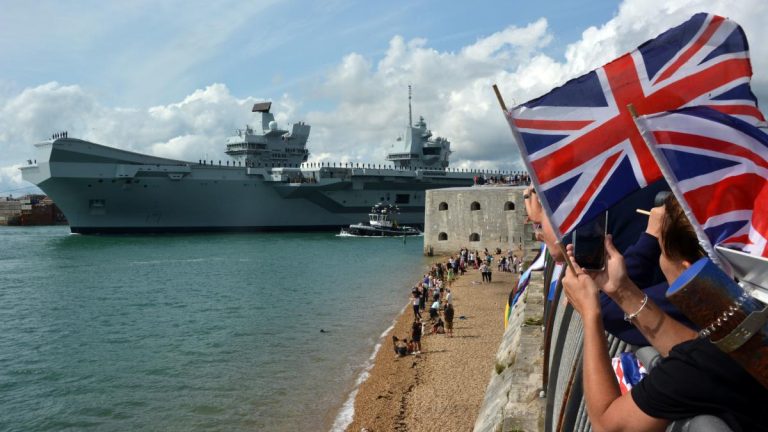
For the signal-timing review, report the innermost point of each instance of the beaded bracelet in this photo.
(630, 317)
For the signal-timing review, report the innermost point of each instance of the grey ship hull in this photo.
(106, 190)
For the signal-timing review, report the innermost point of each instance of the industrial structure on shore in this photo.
(30, 210)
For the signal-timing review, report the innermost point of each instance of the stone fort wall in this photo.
(476, 217)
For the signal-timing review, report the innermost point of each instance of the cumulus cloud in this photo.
(453, 89)
(367, 95)
(11, 175)
(194, 128)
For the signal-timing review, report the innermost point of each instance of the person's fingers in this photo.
(610, 248)
(576, 268)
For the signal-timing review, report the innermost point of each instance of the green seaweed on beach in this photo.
(533, 321)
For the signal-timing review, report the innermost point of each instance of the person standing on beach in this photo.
(416, 336)
(489, 269)
(415, 300)
(448, 314)
(434, 310)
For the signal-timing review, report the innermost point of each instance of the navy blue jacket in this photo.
(642, 261)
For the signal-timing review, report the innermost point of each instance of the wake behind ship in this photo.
(266, 185)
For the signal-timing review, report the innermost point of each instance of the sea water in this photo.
(191, 332)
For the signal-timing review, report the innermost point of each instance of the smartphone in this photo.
(589, 243)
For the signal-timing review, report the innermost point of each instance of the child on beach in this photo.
(439, 327)
(484, 271)
(416, 336)
(402, 347)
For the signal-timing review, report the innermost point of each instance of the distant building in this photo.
(10, 209)
(480, 217)
(30, 210)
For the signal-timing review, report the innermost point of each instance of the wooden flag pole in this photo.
(568, 263)
(632, 110)
(560, 245)
(501, 99)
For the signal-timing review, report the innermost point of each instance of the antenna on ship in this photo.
(410, 118)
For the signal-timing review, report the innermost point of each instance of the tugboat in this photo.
(381, 223)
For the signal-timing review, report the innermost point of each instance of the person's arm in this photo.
(642, 258)
(661, 330)
(642, 261)
(608, 410)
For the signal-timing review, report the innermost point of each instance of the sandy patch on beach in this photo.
(441, 389)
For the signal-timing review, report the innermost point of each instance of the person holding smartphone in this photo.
(642, 261)
(693, 378)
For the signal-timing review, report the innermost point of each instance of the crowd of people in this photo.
(431, 298)
(512, 179)
(627, 299)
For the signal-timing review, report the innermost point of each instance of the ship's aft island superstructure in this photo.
(266, 185)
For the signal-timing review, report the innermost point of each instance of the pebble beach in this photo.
(442, 388)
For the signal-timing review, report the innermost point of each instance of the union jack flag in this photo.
(717, 166)
(629, 371)
(579, 142)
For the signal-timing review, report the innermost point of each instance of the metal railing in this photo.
(562, 374)
(562, 377)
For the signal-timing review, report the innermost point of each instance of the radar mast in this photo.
(410, 117)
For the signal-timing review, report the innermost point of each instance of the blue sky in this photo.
(142, 54)
(174, 78)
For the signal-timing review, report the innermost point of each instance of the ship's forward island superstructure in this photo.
(266, 185)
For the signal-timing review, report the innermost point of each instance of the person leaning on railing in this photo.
(641, 258)
(693, 378)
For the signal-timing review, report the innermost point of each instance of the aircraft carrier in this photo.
(265, 185)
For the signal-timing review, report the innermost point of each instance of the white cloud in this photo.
(192, 129)
(11, 176)
(453, 89)
(368, 96)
